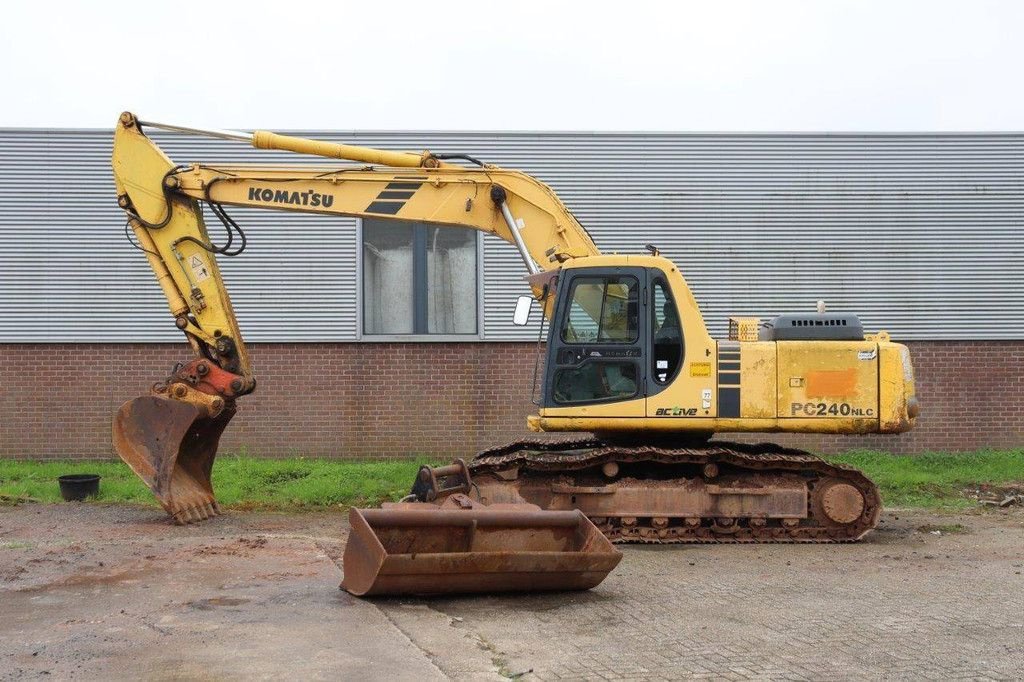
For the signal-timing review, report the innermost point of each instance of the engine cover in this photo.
(813, 327)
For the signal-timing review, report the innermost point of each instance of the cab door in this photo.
(597, 345)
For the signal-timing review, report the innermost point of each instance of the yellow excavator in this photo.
(629, 361)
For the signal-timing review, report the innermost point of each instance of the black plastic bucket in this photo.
(77, 487)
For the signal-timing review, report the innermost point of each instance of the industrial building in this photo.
(378, 338)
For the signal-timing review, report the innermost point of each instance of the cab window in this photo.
(602, 310)
(667, 334)
(596, 381)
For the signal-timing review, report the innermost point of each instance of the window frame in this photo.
(362, 335)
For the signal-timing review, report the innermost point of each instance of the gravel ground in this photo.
(93, 591)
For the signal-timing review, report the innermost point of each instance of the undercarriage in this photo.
(715, 492)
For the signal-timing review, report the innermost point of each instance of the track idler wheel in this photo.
(842, 503)
(170, 443)
(839, 502)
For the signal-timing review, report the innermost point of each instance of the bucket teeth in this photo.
(193, 513)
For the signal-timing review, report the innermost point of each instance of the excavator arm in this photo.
(161, 200)
(170, 438)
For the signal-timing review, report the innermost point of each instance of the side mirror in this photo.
(522, 314)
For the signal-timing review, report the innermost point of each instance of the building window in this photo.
(419, 279)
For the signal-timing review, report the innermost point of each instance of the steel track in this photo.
(557, 459)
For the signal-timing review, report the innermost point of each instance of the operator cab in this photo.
(615, 335)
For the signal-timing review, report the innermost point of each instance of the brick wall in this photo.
(400, 399)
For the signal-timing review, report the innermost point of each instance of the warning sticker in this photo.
(700, 369)
(199, 268)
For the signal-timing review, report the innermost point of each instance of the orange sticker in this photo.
(832, 383)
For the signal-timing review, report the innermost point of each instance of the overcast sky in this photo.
(520, 65)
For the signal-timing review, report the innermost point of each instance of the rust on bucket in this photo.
(424, 549)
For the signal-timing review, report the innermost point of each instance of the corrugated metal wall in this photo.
(919, 234)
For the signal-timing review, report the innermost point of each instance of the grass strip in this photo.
(240, 482)
(934, 480)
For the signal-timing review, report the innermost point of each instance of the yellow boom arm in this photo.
(160, 199)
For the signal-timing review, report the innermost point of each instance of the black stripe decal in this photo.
(404, 185)
(729, 402)
(404, 194)
(385, 207)
(728, 365)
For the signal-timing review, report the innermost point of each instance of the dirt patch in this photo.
(1006, 495)
(240, 547)
(943, 528)
(213, 602)
(11, 573)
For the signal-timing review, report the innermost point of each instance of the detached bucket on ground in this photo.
(425, 550)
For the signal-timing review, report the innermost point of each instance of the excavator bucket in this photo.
(424, 549)
(171, 446)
